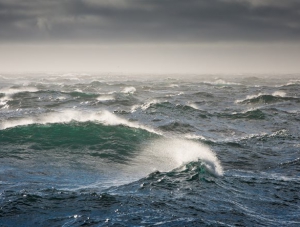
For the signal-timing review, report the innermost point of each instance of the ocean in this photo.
(149, 150)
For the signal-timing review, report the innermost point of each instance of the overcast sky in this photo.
(195, 36)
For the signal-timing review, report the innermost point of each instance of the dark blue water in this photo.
(177, 150)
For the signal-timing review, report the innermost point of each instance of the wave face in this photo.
(119, 150)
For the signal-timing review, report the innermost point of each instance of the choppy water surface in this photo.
(109, 150)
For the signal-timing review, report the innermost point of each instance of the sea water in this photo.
(149, 150)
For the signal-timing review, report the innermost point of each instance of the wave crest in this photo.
(67, 116)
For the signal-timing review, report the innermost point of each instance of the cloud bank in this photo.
(149, 21)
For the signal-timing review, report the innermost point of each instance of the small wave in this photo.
(247, 174)
(279, 93)
(96, 83)
(61, 98)
(221, 82)
(105, 98)
(165, 106)
(150, 103)
(249, 97)
(242, 139)
(176, 126)
(168, 154)
(80, 94)
(249, 114)
(4, 106)
(195, 137)
(129, 90)
(193, 105)
(203, 94)
(134, 108)
(173, 85)
(292, 162)
(260, 136)
(3, 101)
(3, 77)
(103, 117)
(12, 91)
(173, 95)
(266, 98)
(9, 92)
(292, 82)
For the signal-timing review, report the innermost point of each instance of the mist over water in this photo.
(144, 150)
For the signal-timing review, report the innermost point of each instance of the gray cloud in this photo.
(149, 20)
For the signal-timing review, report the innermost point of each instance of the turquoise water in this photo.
(123, 150)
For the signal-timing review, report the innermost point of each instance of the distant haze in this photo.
(153, 36)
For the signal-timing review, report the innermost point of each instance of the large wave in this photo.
(66, 116)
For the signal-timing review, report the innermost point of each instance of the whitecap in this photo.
(173, 95)
(292, 82)
(194, 106)
(103, 98)
(3, 101)
(173, 85)
(279, 93)
(5, 106)
(129, 90)
(195, 137)
(248, 97)
(221, 82)
(148, 104)
(134, 108)
(61, 98)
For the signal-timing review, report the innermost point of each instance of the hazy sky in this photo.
(192, 36)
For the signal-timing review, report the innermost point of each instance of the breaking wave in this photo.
(167, 154)
(67, 116)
